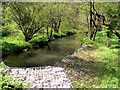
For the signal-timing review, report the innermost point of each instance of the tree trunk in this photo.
(95, 32)
(94, 19)
(57, 25)
(87, 22)
(51, 32)
(91, 26)
(118, 35)
(27, 38)
(50, 37)
(47, 32)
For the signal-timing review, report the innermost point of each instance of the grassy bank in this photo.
(93, 69)
(15, 43)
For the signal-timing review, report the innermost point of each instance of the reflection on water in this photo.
(57, 50)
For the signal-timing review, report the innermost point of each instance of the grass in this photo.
(93, 69)
(109, 59)
(105, 67)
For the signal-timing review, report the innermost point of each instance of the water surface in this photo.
(57, 50)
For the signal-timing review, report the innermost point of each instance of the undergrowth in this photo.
(7, 82)
(104, 66)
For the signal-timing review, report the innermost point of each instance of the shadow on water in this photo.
(49, 55)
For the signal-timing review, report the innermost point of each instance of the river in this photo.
(46, 56)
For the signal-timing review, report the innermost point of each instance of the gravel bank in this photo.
(42, 77)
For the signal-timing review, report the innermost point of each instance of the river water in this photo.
(56, 51)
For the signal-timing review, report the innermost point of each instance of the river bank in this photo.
(46, 56)
(14, 45)
(42, 77)
(86, 67)
(90, 67)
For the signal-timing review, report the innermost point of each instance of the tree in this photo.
(54, 13)
(28, 16)
(96, 20)
(113, 17)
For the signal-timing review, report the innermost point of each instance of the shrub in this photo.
(7, 82)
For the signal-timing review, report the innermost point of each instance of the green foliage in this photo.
(5, 33)
(28, 17)
(101, 37)
(109, 77)
(59, 35)
(7, 82)
(12, 44)
(113, 15)
(32, 17)
(87, 41)
(109, 82)
(38, 37)
(8, 26)
(84, 40)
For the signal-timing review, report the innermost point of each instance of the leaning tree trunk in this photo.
(94, 35)
(118, 35)
(94, 21)
(87, 21)
(91, 26)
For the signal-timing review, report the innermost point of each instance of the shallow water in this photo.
(57, 50)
